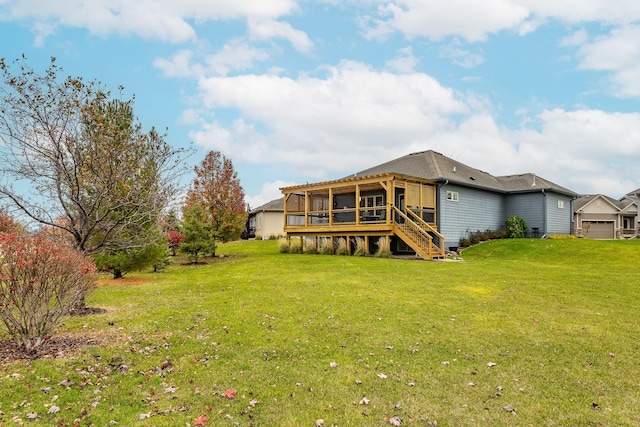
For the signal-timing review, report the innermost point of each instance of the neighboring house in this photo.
(634, 196)
(440, 199)
(597, 216)
(267, 221)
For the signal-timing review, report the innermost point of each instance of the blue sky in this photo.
(297, 91)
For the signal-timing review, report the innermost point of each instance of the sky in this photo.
(297, 91)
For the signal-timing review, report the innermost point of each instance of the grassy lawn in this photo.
(522, 332)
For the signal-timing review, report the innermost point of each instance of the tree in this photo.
(121, 262)
(199, 237)
(174, 238)
(74, 160)
(10, 225)
(217, 189)
(41, 280)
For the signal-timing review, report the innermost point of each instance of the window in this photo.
(372, 202)
(453, 196)
(560, 204)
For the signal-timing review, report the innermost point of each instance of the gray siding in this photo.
(558, 219)
(528, 206)
(475, 210)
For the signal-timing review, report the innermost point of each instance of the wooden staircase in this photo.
(418, 234)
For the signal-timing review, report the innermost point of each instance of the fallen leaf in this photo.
(491, 364)
(32, 415)
(395, 421)
(144, 416)
(612, 354)
(171, 389)
(230, 394)
(200, 421)
(333, 365)
(509, 408)
(53, 410)
(319, 422)
(470, 384)
(364, 401)
(253, 402)
(381, 375)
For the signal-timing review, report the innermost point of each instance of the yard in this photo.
(522, 332)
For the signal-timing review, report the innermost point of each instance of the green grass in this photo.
(558, 318)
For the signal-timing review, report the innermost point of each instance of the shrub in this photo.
(283, 245)
(342, 247)
(174, 238)
(295, 246)
(516, 227)
(561, 236)
(309, 246)
(325, 246)
(384, 248)
(361, 249)
(41, 280)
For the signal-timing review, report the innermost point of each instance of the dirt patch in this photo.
(53, 348)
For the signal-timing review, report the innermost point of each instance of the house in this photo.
(266, 221)
(601, 217)
(424, 203)
(634, 196)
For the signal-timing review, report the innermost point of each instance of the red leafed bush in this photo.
(174, 238)
(41, 280)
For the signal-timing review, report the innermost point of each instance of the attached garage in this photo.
(598, 229)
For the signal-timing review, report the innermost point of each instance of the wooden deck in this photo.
(371, 207)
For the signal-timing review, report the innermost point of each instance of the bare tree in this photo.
(78, 162)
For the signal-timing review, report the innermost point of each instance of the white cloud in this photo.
(619, 54)
(475, 20)
(470, 19)
(404, 62)
(591, 150)
(165, 20)
(306, 122)
(266, 29)
(268, 192)
(324, 128)
(460, 56)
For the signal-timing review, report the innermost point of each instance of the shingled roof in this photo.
(585, 199)
(276, 205)
(437, 167)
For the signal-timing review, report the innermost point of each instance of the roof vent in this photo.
(534, 180)
(472, 178)
(454, 169)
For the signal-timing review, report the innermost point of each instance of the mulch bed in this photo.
(55, 347)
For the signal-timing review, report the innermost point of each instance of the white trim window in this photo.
(560, 204)
(453, 196)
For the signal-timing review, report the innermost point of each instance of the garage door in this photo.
(598, 229)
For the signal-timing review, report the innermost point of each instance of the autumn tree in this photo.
(75, 160)
(217, 189)
(9, 225)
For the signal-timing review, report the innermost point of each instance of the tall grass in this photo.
(523, 332)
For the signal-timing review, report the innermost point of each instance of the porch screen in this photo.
(428, 197)
(412, 194)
